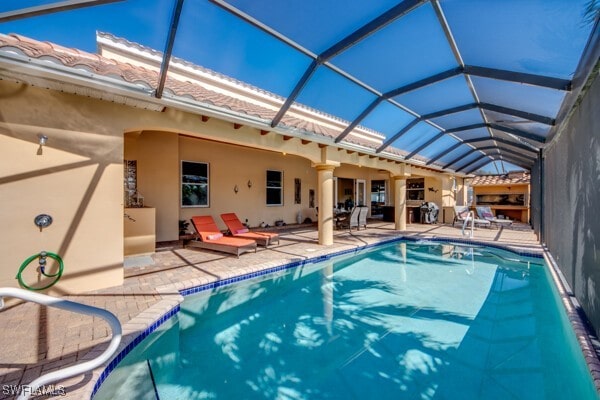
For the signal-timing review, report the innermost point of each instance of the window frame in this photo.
(267, 187)
(182, 183)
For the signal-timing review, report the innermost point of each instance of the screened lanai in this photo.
(453, 85)
(410, 98)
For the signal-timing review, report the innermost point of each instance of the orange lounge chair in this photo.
(211, 238)
(240, 231)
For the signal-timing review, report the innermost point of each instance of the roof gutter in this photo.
(21, 68)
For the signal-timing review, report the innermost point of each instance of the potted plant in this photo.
(183, 225)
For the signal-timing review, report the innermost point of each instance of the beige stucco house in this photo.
(204, 147)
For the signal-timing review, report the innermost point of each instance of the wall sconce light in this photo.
(249, 183)
(236, 189)
(42, 139)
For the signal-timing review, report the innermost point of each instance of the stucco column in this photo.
(325, 219)
(400, 203)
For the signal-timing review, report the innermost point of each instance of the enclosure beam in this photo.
(51, 8)
(164, 65)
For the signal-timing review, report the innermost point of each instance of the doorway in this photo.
(361, 192)
(349, 193)
(378, 195)
(344, 198)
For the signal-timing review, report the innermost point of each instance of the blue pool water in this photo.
(400, 321)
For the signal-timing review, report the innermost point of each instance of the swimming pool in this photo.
(403, 320)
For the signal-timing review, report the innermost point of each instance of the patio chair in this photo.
(362, 216)
(238, 230)
(352, 220)
(462, 212)
(485, 212)
(211, 238)
(340, 218)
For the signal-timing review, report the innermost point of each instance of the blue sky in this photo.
(534, 36)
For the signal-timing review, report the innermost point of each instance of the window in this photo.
(194, 184)
(274, 188)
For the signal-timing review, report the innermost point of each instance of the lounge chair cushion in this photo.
(205, 226)
(211, 238)
(487, 215)
(236, 228)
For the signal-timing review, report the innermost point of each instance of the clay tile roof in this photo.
(512, 178)
(148, 78)
(72, 57)
(129, 73)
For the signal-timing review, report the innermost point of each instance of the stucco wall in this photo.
(571, 205)
(77, 178)
(236, 165)
(159, 156)
(433, 191)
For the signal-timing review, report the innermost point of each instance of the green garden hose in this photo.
(42, 266)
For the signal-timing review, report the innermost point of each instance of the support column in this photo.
(400, 203)
(325, 197)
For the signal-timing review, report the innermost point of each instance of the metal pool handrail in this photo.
(77, 369)
(471, 217)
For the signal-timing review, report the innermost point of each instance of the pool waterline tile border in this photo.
(294, 264)
(279, 268)
(507, 247)
(130, 346)
(355, 250)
